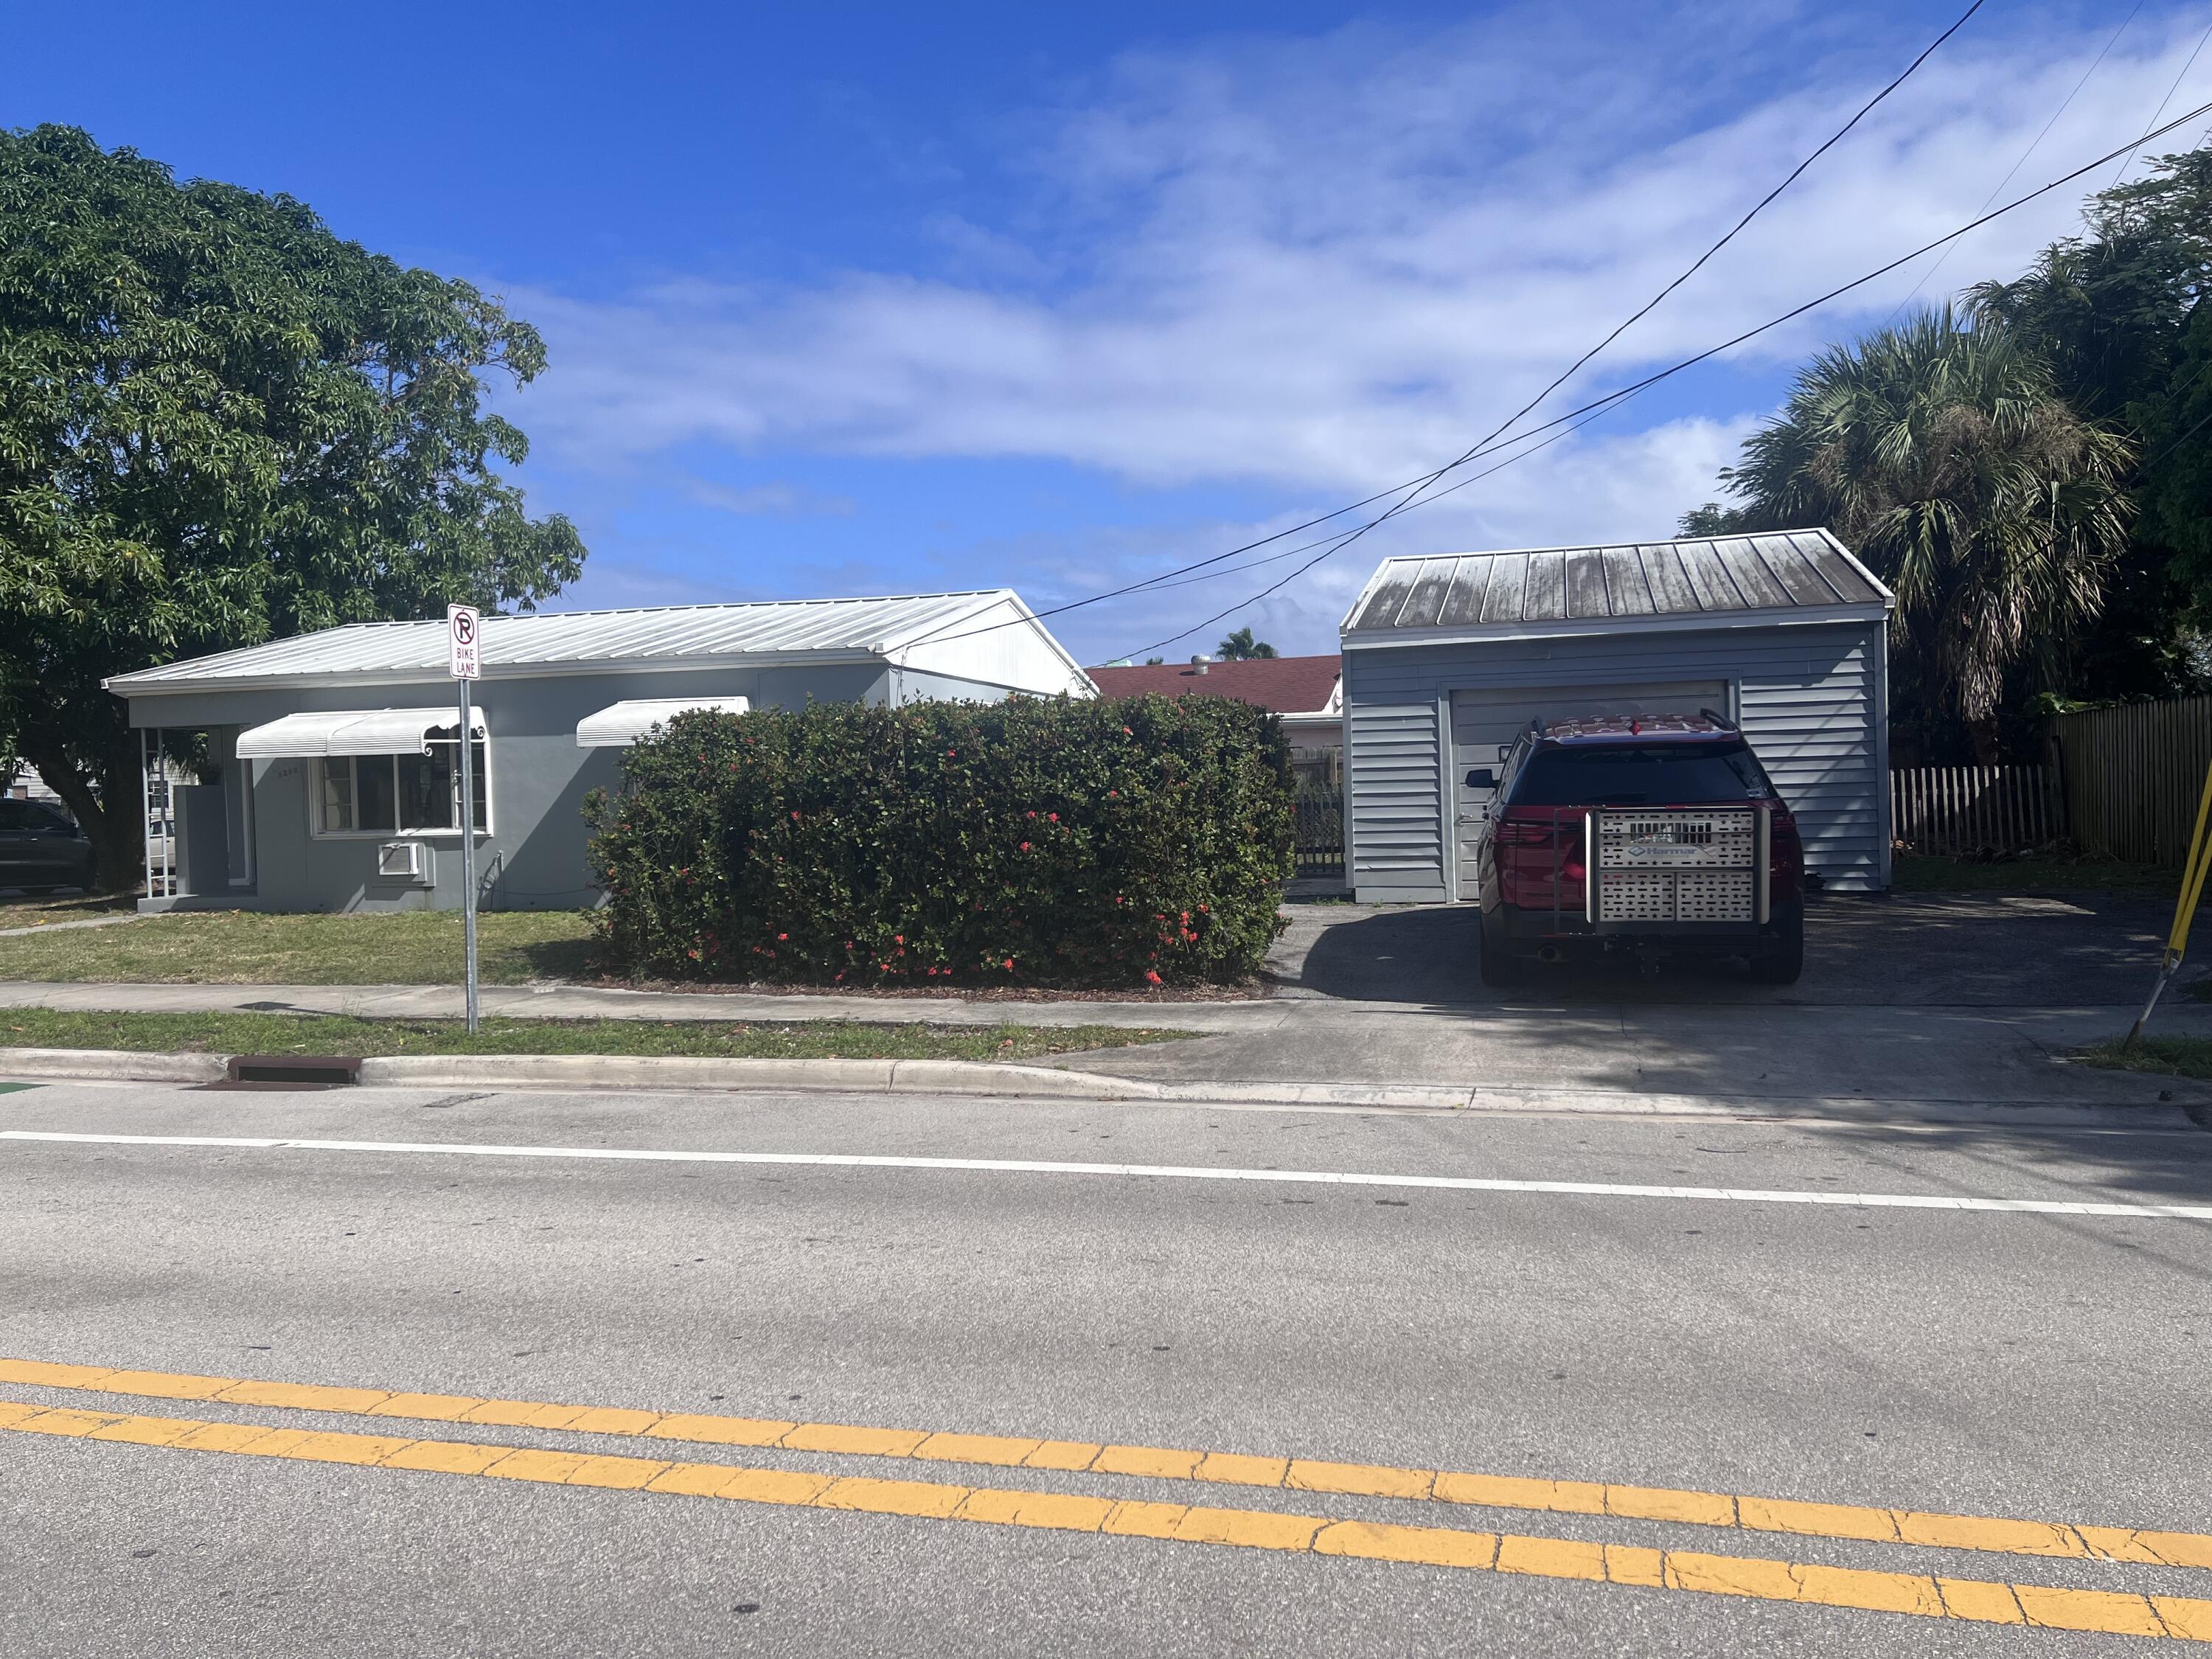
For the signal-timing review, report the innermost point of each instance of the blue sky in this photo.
(880, 299)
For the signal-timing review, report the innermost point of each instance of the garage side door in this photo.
(1483, 720)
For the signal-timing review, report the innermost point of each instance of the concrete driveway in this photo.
(1967, 997)
(1903, 950)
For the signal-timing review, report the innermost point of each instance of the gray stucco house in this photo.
(335, 755)
(1446, 657)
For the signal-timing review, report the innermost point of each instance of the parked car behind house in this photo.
(1653, 834)
(41, 849)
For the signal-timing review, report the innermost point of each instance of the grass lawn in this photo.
(1913, 874)
(334, 1034)
(2178, 1056)
(242, 947)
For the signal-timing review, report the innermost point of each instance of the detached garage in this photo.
(1446, 657)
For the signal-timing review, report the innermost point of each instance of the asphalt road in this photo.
(2028, 1365)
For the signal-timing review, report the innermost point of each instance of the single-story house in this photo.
(1448, 658)
(1308, 692)
(336, 753)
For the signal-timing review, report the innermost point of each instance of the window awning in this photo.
(620, 725)
(351, 732)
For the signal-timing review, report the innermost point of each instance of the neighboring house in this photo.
(1446, 657)
(336, 753)
(29, 786)
(1306, 691)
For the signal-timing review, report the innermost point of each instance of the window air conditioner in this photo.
(403, 860)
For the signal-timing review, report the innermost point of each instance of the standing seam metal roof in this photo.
(1781, 572)
(768, 627)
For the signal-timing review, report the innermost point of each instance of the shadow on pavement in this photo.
(1913, 950)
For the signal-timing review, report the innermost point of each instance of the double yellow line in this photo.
(1924, 1594)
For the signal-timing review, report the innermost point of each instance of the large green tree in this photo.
(1946, 457)
(221, 423)
(2114, 311)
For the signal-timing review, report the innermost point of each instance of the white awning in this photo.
(351, 732)
(621, 724)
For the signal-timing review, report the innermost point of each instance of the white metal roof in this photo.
(920, 630)
(1796, 575)
(620, 725)
(352, 731)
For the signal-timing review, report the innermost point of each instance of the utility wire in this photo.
(1697, 265)
(1610, 399)
(1929, 275)
(1417, 486)
(2162, 103)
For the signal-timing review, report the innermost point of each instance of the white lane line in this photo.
(1167, 1171)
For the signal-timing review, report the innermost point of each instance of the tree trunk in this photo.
(110, 816)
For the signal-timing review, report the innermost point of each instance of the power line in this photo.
(1623, 394)
(1929, 275)
(1416, 486)
(2162, 103)
(1698, 264)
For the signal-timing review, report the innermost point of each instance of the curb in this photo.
(991, 1079)
(611, 1072)
(114, 1065)
(687, 1072)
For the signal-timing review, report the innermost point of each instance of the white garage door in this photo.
(1482, 722)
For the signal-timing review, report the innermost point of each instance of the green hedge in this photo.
(1125, 843)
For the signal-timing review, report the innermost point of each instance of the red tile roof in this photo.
(1288, 685)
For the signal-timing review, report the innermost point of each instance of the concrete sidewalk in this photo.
(1967, 1053)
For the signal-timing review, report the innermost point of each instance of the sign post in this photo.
(465, 663)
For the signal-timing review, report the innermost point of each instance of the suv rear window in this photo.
(1633, 774)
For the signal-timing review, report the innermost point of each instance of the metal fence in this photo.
(1973, 809)
(1321, 829)
(2134, 775)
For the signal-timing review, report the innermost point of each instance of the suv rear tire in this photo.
(1500, 967)
(1783, 963)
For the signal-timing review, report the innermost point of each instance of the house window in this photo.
(401, 794)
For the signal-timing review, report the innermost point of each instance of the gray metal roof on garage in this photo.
(1796, 575)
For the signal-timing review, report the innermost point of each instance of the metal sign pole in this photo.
(464, 661)
(469, 850)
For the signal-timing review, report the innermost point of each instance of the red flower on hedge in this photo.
(1010, 964)
(794, 817)
(1153, 975)
(1025, 847)
(783, 936)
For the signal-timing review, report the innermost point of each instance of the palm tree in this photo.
(1241, 647)
(1945, 457)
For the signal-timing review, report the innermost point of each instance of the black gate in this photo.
(1321, 829)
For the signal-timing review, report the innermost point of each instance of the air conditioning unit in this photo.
(403, 860)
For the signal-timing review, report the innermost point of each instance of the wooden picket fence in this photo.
(1956, 810)
(2134, 775)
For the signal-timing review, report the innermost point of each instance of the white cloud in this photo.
(774, 499)
(1325, 264)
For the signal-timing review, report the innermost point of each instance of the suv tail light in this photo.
(1540, 856)
(1786, 854)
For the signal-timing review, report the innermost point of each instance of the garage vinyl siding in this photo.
(1811, 699)
(1393, 763)
(1814, 709)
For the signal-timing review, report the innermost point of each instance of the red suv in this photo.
(1655, 834)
